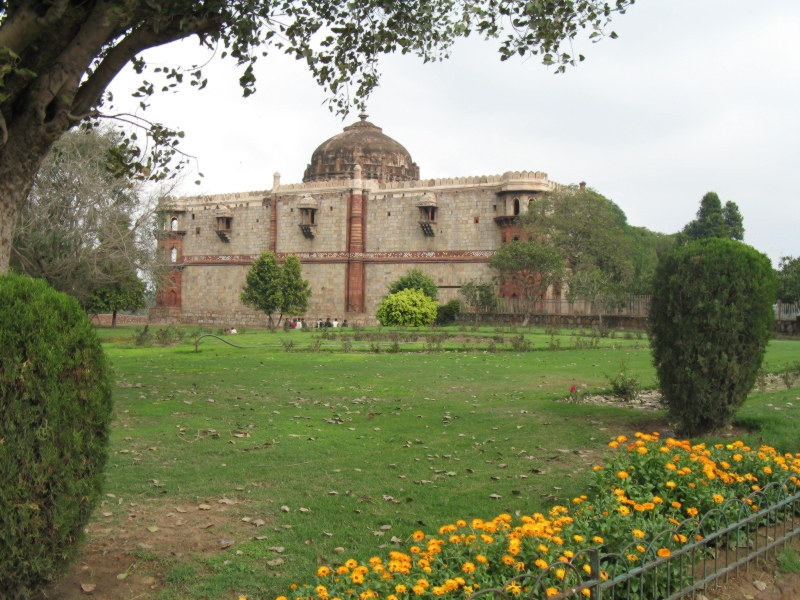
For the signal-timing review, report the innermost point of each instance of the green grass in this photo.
(435, 432)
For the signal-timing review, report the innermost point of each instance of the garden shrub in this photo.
(624, 384)
(710, 320)
(447, 313)
(409, 308)
(55, 408)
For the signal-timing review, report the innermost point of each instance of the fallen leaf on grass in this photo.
(261, 537)
(206, 526)
(396, 540)
(148, 581)
(258, 523)
(152, 529)
(278, 549)
(108, 514)
(226, 542)
(204, 507)
(275, 563)
(88, 588)
(328, 534)
(378, 533)
(122, 576)
(304, 510)
(495, 496)
(338, 550)
(226, 501)
(385, 527)
(180, 510)
(285, 509)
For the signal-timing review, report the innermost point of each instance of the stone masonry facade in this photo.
(353, 236)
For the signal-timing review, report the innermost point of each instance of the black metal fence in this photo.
(701, 551)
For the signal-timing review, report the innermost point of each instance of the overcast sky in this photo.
(695, 95)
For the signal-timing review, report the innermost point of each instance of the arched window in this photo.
(516, 206)
(173, 254)
(174, 224)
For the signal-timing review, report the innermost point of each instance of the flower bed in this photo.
(645, 488)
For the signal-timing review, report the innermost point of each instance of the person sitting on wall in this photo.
(232, 330)
(345, 324)
(287, 325)
(335, 322)
(328, 322)
(299, 324)
(319, 323)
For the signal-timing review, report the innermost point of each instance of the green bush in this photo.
(710, 320)
(409, 308)
(55, 408)
(447, 313)
(415, 279)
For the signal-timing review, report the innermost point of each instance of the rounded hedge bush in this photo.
(710, 320)
(55, 408)
(408, 308)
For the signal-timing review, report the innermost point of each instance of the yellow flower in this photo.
(692, 512)
(638, 533)
(624, 510)
(418, 536)
(640, 548)
(641, 450)
(551, 591)
(357, 577)
(560, 573)
(597, 468)
(281, 598)
(718, 498)
(622, 475)
(391, 597)
(670, 466)
(480, 558)
(588, 569)
(663, 552)
(541, 564)
(487, 538)
(676, 505)
(543, 549)
(671, 484)
(514, 588)
(468, 567)
(351, 563)
(577, 538)
(400, 588)
(632, 557)
(597, 539)
(461, 523)
(342, 570)
(323, 572)
(418, 590)
(508, 560)
(586, 592)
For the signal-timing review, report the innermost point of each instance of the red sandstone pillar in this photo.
(355, 283)
(273, 214)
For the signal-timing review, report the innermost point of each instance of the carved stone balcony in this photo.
(506, 221)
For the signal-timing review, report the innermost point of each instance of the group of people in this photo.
(300, 323)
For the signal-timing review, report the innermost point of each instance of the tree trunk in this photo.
(113, 318)
(29, 141)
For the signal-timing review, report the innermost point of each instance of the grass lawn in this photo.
(206, 446)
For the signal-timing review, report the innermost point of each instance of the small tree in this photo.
(597, 287)
(789, 279)
(263, 287)
(529, 268)
(295, 290)
(407, 308)
(415, 279)
(126, 294)
(710, 320)
(479, 295)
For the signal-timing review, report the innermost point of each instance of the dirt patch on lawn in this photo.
(128, 553)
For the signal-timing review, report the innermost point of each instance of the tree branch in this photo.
(24, 26)
(140, 39)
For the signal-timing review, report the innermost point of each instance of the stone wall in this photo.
(393, 222)
(249, 228)
(331, 226)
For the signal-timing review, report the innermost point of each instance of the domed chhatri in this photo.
(365, 144)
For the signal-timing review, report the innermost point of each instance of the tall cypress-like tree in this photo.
(714, 221)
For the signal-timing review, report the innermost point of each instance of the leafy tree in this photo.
(586, 227)
(415, 279)
(599, 288)
(407, 308)
(710, 320)
(479, 295)
(789, 280)
(529, 268)
(58, 57)
(295, 291)
(263, 288)
(126, 294)
(714, 221)
(82, 228)
(447, 313)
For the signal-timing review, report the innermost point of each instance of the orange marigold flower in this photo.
(400, 589)
(468, 567)
(418, 536)
(670, 484)
(718, 498)
(597, 539)
(638, 533)
(551, 591)
(623, 475)
(663, 552)
(632, 557)
(577, 538)
(692, 511)
(541, 564)
(508, 559)
(676, 505)
(480, 558)
(323, 572)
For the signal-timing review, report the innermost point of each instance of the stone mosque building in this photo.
(361, 218)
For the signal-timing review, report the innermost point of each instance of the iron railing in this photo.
(785, 311)
(721, 542)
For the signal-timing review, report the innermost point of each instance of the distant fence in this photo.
(633, 306)
(105, 319)
(787, 312)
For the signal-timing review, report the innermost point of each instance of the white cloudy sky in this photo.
(695, 95)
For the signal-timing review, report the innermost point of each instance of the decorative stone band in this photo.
(467, 256)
